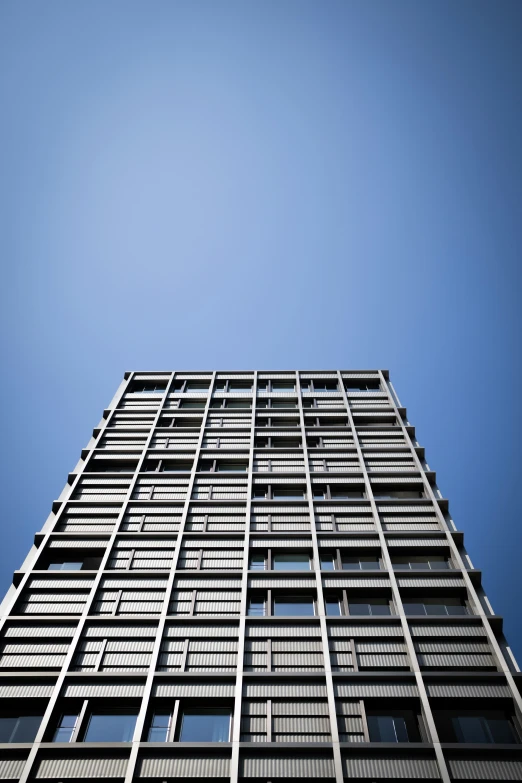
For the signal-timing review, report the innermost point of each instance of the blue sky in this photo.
(265, 184)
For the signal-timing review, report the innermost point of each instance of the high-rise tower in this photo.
(253, 576)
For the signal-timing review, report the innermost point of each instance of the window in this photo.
(413, 562)
(283, 404)
(66, 566)
(159, 727)
(360, 563)
(320, 386)
(238, 404)
(333, 606)
(20, 728)
(256, 606)
(110, 727)
(239, 386)
(175, 467)
(66, 727)
(387, 728)
(148, 388)
(491, 727)
(291, 562)
(283, 386)
(327, 492)
(393, 495)
(229, 467)
(192, 404)
(357, 386)
(375, 606)
(327, 561)
(205, 726)
(302, 606)
(435, 606)
(257, 562)
(288, 493)
(193, 386)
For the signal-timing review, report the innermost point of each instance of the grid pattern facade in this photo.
(254, 576)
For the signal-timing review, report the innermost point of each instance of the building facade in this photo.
(253, 576)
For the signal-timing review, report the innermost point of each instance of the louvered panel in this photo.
(31, 661)
(256, 631)
(204, 630)
(443, 661)
(454, 647)
(390, 768)
(283, 690)
(30, 630)
(383, 661)
(409, 526)
(355, 582)
(280, 542)
(289, 582)
(348, 542)
(447, 630)
(414, 542)
(77, 543)
(211, 660)
(301, 724)
(297, 660)
(362, 690)
(430, 582)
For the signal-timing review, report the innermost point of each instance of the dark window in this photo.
(110, 727)
(288, 493)
(283, 404)
(481, 729)
(490, 726)
(176, 467)
(192, 404)
(238, 404)
(411, 562)
(21, 728)
(356, 386)
(298, 605)
(239, 386)
(387, 728)
(159, 727)
(377, 606)
(228, 467)
(291, 562)
(435, 606)
(342, 494)
(283, 386)
(65, 728)
(205, 726)
(193, 386)
(360, 563)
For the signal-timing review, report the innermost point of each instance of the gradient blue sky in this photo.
(265, 184)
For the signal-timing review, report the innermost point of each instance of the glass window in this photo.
(375, 607)
(66, 566)
(344, 494)
(283, 386)
(236, 386)
(192, 404)
(238, 404)
(65, 728)
(288, 605)
(291, 562)
(327, 561)
(362, 563)
(257, 563)
(260, 493)
(333, 607)
(288, 494)
(284, 404)
(21, 728)
(387, 728)
(159, 727)
(205, 726)
(176, 467)
(476, 728)
(193, 386)
(110, 727)
(256, 606)
(236, 467)
(384, 495)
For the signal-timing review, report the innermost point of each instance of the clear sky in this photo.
(286, 184)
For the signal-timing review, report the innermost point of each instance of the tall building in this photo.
(253, 576)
